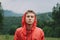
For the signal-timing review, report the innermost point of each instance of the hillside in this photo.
(11, 13)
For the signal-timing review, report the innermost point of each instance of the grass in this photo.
(50, 38)
(10, 37)
(6, 37)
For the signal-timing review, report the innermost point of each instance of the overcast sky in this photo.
(20, 6)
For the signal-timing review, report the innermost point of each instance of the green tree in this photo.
(56, 17)
(56, 14)
(1, 17)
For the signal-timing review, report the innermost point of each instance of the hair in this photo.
(30, 11)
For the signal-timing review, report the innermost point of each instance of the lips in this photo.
(29, 21)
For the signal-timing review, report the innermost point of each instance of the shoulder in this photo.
(19, 29)
(39, 29)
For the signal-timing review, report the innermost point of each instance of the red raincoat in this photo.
(34, 34)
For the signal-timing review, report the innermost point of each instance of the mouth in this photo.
(29, 21)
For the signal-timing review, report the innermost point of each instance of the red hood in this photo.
(24, 23)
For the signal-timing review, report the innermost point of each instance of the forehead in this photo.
(30, 13)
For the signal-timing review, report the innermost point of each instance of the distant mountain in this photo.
(8, 13)
(45, 16)
(11, 13)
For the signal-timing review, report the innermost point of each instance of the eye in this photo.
(28, 16)
(32, 16)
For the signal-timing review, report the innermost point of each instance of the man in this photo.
(29, 31)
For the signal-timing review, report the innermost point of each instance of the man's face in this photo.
(30, 18)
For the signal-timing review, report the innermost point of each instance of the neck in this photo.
(29, 26)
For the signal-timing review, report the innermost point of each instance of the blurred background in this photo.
(47, 12)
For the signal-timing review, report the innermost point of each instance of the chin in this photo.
(30, 23)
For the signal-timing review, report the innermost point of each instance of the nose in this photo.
(29, 18)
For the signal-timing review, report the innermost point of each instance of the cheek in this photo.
(33, 19)
(27, 19)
